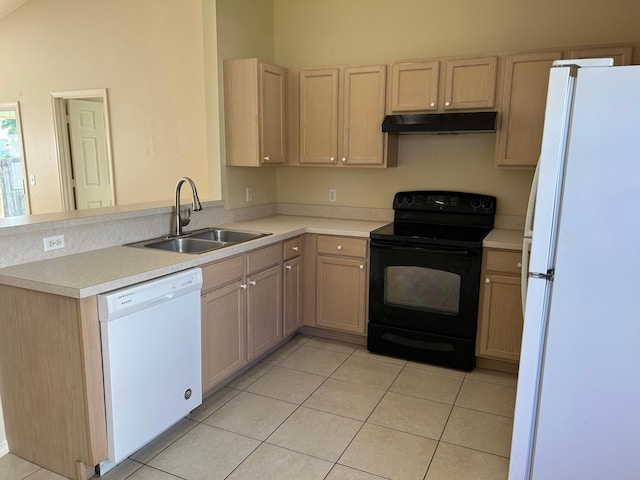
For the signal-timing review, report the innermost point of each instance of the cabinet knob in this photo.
(266, 158)
(433, 104)
(344, 159)
(295, 249)
(361, 267)
(446, 104)
(519, 264)
(243, 286)
(332, 159)
(486, 280)
(288, 267)
(339, 247)
(253, 283)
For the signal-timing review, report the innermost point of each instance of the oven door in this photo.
(430, 289)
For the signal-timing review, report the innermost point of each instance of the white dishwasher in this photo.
(151, 358)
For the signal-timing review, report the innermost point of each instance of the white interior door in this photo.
(89, 155)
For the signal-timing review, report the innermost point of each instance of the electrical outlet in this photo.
(249, 194)
(53, 243)
(332, 194)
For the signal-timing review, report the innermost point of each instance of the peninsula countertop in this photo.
(97, 271)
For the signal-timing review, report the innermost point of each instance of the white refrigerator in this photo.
(577, 413)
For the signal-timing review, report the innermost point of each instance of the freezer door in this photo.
(551, 167)
(588, 422)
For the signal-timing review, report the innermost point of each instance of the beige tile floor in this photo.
(321, 409)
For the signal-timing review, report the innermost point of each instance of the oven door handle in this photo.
(436, 250)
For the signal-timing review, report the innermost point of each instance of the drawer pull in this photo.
(519, 264)
(243, 286)
(295, 249)
(486, 280)
(253, 283)
(361, 267)
(288, 267)
(339, 247)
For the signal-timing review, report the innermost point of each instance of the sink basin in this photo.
(199, 241)
(224, 235)
(185, 245)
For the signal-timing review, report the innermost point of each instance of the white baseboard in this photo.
(4, 448)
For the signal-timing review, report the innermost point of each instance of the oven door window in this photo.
(422, 288)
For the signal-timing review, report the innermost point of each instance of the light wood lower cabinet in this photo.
(500, 319)
(224, 349)
(241, 311)
(264, 310)
(336, 298)
(51, 380)
(292, 285)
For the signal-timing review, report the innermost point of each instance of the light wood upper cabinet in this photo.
(363, 111)
(622, 55)
(500, 319)
(470, 83)
(255, 113)
(341, 111)
(414, 86)
(443, 84)
(524, 95)
(319, 116)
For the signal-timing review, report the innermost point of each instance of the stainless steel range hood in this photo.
(440, 123)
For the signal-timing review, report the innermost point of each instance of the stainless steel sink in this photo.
(224, 235)
(199, 241)
(186, 245)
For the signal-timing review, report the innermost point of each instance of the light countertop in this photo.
(98, 271)
(504, 239)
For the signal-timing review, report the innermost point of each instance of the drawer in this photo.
(503, 261)
(292, 248)
(222, 273)
(258, 260)
(343, 246)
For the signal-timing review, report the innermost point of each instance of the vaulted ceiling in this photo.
(8, 6)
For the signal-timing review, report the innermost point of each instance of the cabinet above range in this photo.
(442, 84)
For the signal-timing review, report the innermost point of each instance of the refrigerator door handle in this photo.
(528, 222)
(524, 278)
(545, 276)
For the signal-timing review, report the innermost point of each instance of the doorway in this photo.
(83, 143)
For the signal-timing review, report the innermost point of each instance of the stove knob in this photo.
(487, 204)
(476, 202)
(410, 199)
(400, 199)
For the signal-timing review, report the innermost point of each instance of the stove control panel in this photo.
(450, 202)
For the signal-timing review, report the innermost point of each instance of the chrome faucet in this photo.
(180, 222)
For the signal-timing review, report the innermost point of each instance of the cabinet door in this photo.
(362, 115)
(319, 116)
(524, 96)
(341, 293)
(223, 334)
(264, 311)
(470, 83)
(292, 311)
(500, 332)
(414, 86)
(273, 80)
(621, 55)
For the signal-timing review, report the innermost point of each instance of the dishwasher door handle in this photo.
(161, 299)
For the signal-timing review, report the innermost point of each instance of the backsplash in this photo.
(24, 243)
